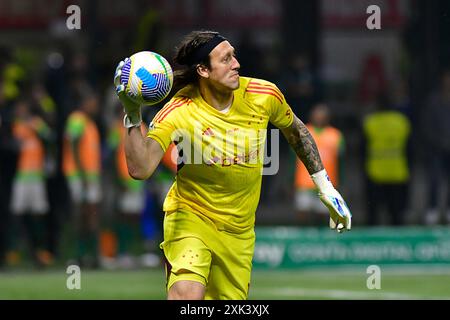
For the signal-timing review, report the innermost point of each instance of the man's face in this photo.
(90, 105)
(22, 110)
(320, 116)
(224, 70)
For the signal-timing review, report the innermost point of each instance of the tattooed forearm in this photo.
(304, 145)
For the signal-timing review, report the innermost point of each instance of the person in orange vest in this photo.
(29, 204)
(331, 145)
(82, 168)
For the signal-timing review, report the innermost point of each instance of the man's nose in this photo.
(236, 64)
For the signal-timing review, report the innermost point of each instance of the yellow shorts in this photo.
(196, 250)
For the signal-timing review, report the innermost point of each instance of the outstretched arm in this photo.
(305, 147)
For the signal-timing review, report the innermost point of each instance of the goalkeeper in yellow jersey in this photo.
(218, 121)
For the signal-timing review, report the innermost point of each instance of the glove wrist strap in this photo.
(322, 181)
(130, 121)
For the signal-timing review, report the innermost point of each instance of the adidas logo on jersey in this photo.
(208, 132)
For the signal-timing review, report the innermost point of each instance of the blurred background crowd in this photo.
(376, 101)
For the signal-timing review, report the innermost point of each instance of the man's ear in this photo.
(203, 71)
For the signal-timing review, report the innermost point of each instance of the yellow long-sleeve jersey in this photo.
(220, 154)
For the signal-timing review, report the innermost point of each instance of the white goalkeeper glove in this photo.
(133, 117)
(340, 215)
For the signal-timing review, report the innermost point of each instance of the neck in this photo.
(217, 99)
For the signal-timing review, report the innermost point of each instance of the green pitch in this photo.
(397, 283)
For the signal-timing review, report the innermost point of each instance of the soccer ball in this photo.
(147, 77)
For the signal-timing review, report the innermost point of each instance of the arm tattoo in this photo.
(304, 146)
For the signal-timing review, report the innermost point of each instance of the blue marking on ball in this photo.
(147, 78)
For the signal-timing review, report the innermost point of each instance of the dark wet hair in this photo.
(184, 53)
